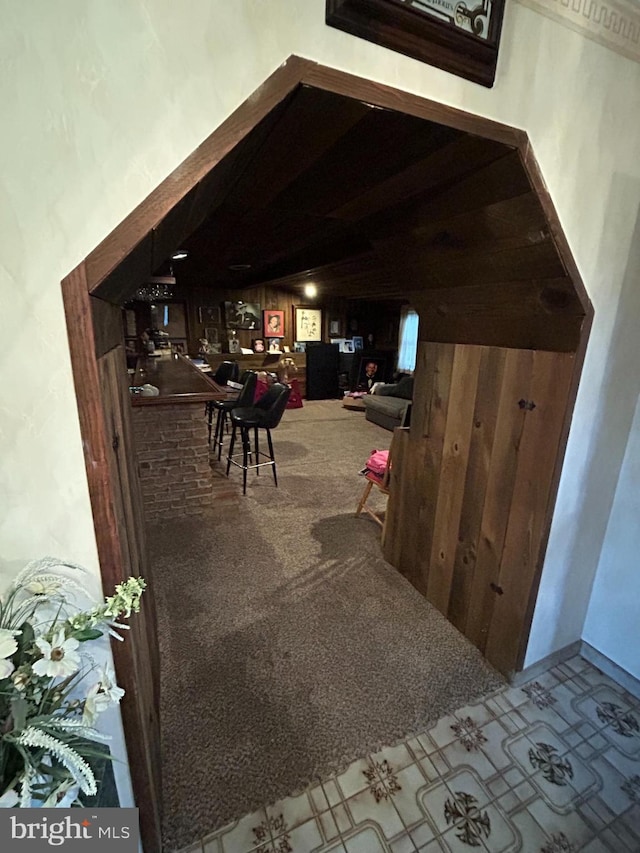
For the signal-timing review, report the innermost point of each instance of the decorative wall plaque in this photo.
(457, 36)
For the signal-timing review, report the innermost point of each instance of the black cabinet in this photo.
(323, 361)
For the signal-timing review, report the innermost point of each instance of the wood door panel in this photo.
(485, 417)
(453, 469)
(551, 377)
(499, 495)
(470, 501)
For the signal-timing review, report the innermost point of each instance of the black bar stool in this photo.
(224, 407)
(227, 370)
(265, 414)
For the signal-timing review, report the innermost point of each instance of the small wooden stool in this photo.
(383, 485)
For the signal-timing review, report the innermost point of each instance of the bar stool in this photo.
(224, 407)
(265, 414)
(226, 371)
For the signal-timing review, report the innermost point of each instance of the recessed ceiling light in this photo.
(180, 255)
(239, 267)
(310, 290)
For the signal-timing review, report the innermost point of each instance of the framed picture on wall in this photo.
(209, 314)
(242, 315)
(211, 334)
(307, 324)
(334, 328)
(461, 38)
(358, 342)
(272, 323)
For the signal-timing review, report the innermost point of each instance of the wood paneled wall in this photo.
(472, 486)
(267, 297)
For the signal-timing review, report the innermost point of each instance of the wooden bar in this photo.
(171, 436)
(178, 380)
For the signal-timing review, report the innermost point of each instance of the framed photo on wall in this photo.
(209, 314)
(211, 334)
(272, 323)
(242, 315)
(460, 37)
(307, 324)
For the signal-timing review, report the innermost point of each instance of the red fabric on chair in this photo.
(261, 388)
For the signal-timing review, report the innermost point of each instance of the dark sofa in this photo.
(389, 406)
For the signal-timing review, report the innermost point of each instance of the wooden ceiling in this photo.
(369, 203)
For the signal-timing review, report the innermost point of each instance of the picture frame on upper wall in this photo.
(272, 323)
(460, 37)
(307, 323)
(242, 315)
(209, 315)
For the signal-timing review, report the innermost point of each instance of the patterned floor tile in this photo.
(458, 755)
(242, 836)
(549, 767)
(367, 840)
(331, 792)
(397, 756)
(570, 825)
(354, 780)
(407, 800)
(364, 808)
(614, 718)
(402, 844)
(305, 837)
(291, 812)
(342, 818)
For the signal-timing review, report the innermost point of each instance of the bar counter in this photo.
(171, 437)
(178, 380)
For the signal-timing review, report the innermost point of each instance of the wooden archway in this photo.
(94, 291)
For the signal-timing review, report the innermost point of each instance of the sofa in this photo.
(389, 405)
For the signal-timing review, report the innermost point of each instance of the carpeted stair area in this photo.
(289, 647)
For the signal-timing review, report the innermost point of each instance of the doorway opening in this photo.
(391, 198)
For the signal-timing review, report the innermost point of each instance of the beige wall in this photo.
(102, 100)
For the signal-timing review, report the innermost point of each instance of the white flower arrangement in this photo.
(51, 689)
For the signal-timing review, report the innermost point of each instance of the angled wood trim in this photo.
(95, 443)
(381, 95)
(532, 169)
(149, 213)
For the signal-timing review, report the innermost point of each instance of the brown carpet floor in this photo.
(289, 647)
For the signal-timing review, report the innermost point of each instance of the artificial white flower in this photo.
(45, 586)
(59, 656)
(101, 696)
(8, 646)
(108, 685)
(95, 703)
(9, 799)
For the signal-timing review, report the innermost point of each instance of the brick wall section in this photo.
(173, 460)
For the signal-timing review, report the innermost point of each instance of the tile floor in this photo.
(552, 767)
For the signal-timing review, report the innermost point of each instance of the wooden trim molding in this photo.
(95, 441)
(150, 213)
